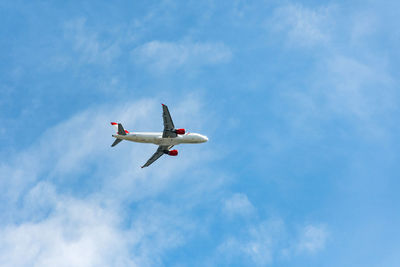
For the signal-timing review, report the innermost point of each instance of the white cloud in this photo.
(259, 253)
(90, 232)
(350, 83)
(312, 239)
(303, 26)
(259, 244)
(77, 233)
(88, 43)
(357, 92)
(238, 204)
(354, 86)
(266, 242)
(67, 200)
(164, 56)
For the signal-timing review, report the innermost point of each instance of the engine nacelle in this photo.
(173, 152)
(180, 131)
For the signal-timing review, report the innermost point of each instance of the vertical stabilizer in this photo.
(120, 131)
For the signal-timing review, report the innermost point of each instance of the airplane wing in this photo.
(157, 155)
(168, 124)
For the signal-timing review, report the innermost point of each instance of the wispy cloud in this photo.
(263, 243)
(238, 204)
(357, 92)
(312, 239)
(349, 81)
(303, 26)
(163, 56)
(88, 43)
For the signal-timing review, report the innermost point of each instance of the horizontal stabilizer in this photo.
(116, 142)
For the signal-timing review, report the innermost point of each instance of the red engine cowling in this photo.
(180, 131)
(173, 152)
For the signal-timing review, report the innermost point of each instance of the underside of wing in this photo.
(169, 128)
(160, 151)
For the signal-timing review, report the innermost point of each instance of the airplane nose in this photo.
(205, 138)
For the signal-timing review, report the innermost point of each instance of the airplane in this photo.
(165, 140)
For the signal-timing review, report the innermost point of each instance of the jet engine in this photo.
(180, 131)
(173, 152)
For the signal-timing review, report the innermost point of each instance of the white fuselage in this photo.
(156, 138)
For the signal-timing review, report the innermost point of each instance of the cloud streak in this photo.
(269, 241)
(238, 205)
(162, 56)
(303, 26)
(92, 48)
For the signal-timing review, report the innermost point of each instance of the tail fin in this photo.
(119, 128)
(120, 131)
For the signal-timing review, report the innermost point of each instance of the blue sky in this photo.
(299, 100)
